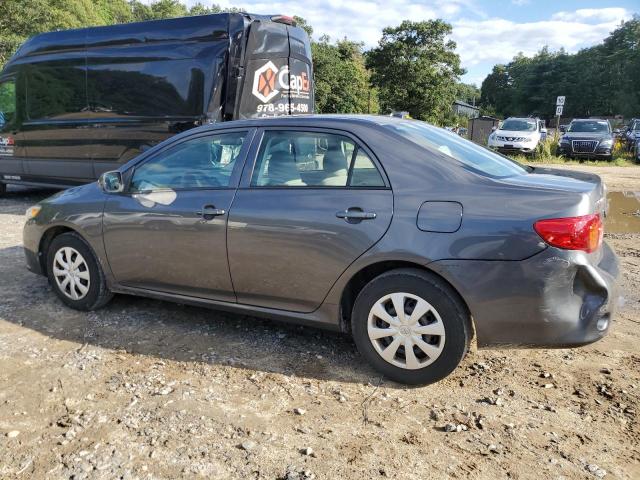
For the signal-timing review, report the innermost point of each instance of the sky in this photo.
(487, 32)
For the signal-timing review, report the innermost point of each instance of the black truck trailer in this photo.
(76, 103)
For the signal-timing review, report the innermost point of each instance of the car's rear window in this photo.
(475, 157)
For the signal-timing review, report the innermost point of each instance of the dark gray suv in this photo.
(406, 235)
(587, 138)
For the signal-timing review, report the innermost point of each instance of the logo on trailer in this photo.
(268, 81)
(6, 146)
(264, 82)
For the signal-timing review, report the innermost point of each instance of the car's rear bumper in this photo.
(556, 298)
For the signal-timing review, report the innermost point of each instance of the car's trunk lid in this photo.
(588, 183)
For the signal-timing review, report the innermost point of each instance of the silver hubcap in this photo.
(406, 330)
(71, 273)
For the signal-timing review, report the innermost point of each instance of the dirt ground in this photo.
(147, 389)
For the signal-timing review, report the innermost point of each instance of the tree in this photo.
(468, 93)
(600, 80)
(495, 89)
(416, 69)
(340, 78)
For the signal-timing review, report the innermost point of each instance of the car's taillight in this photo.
(572, 233)
(284, 19)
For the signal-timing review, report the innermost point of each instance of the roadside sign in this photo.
(559, 110)
(560, 101)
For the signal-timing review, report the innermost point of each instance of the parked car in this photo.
(517, 135)
(631, 135)
(587, 138)
(77, 103)
(400, 236)
(542, 126)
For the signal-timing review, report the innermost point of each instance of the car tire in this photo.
(3, 189)
(75, 274)
(444, 330)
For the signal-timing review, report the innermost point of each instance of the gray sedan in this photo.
(406, 235)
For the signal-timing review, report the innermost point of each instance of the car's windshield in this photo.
(468, 153)
(519, 125)
(636, 126)
(595, 126)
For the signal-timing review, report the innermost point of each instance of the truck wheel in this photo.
(411, 326)
(75, 273)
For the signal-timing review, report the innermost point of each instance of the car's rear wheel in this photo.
(3, 188)
(411, 326)
(75, 274)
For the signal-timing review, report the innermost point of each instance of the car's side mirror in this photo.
(562, 128)
(111, 182)
(617, 131)
(494, 128)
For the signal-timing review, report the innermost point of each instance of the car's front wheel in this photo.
(75, 273)
(411, 326)
(3, 189)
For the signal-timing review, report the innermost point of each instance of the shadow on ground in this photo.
(178, 332)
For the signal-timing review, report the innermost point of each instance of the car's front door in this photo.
(167, 231)
(313, 202)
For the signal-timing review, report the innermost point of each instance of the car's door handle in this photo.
(355, 214)
(209, 212)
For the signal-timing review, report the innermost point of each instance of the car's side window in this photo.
(203, 162)
(364, 173)
(312, 159)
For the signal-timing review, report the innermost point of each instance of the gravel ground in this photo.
(148, 389)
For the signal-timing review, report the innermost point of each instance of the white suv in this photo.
(518, 135)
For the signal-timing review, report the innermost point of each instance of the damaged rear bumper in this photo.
(557, 298)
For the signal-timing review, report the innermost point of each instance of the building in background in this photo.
(480, 128)
(464, 109)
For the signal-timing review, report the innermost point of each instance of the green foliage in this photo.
(601, 80)
(341, 79)
(416, 69)
(468, 93)
(547, 153)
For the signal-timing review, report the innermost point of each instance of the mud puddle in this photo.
(624, 212)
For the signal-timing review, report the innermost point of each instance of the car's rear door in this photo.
(311, 202)
(167, 231)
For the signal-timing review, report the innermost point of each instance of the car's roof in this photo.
(312, 120)
(329, 117)
(589, 120)
(522, 118)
